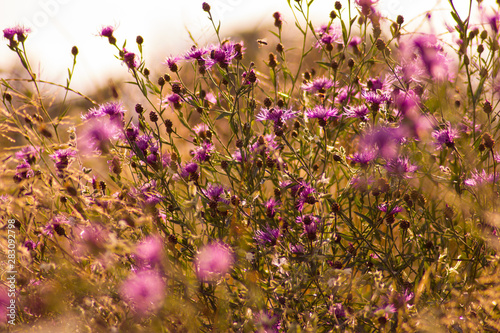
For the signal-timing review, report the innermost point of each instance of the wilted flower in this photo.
(213, 261)
(144, 291)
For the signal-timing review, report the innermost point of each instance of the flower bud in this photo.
(139, 40)
(206, 7)
(74, 51)
(400, 20)
(338, 5)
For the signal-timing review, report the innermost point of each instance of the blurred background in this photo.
(166, 26)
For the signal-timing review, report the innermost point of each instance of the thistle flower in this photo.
(130, 59)
(171, 62)
(203, 153)
(144, 291)
(361, 112)
(150, 251)
(400, 167)
(29, 154)
(201, 130)
(271, 205)
(213, 261)
(375, 97)
(322, 113)
(174, 100)
(445, 137)
(320, 85)
(307, 219)
(98, 134)
(276, 115)
(107, 31)
(215, 193)
(195, 53)
(23, 171)
(20, 31)
(363, 158)
(267, 237)
(480, 178)
(63, 158)
(114, 110)
(385, 208)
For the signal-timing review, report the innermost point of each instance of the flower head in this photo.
(130, 59)
(320, 85)
(480, 178)
(63, 158)
(107, 31)
(213, 261)
(144, 291)
(19, 31)
(361, 112)
(268, 236)
(323, 113)
(445, 137)
(203, 153)
(150, 251)
(400, 167)
(276, 115)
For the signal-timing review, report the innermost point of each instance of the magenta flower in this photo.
(195, 53)
(320, 85)
(171, 62)
(271, 205)
(144, 292)
(400, 167)
(29, 154)
(130, 59)
(23, 171)
(20, 31)
(328, 35)
(98, 134)
(276, 115)
(213, 261)
(114, 110)
(361, 112)
(107, 31)
(375, 97)
(63, 158)
(203, 153)
(201, 130)
(322, 113)
(150, 251)
(307, 219)
(55, 225)
(174, 100)
(445, 137)
(267, 237)
(385, 208)
(363, 158)
(480, 178)
(215, 193)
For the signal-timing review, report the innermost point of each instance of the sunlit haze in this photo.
(57, 25)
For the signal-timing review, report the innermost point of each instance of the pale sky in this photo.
(57, 25)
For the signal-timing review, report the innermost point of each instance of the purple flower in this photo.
(385, 208)
(384, 140)
(130, 59)
(307, 219)
(361, 112)
(23, 171)
(114, 110)
(188, 169)
(98, 134)
(271, 205)
(276, 115)
(171, 62)
(310, 230)
(195, 53)
(213, 261)
(320, 85)
(322, 113)
(201, 130)
(400, 167)
(20, 31)
(364, 158)
(337, 310)
(63, 158)
(144, 291)
(107, 31)
(214, 193)
(150, 251)
(203, 153)
(174, 100)
(30, 245)
(249, 77)
(375, 97)
(56, 225)
(93, 238)
(480, 178)
(29, 154)
(328, 35)
(445, 137)
(267, 237)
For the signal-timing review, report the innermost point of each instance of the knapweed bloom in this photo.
(445, 137)
(130, 59)
(19, 31)
(144, 292)
(149, 251)
(107, 31)
(114, 110)
(361, 112)
(29, 154)
(320, 85)
(275, 114)
(387, 209)
(271, 205)
(400, 167)
(63, 158)
(215, 194)
(268, 236)
(480, 178)
(203, 152)
(98, 134)
(322, 114)
(364, 157)
(213, 261)
(327, 36)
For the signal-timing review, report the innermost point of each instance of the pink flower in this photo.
(144, 292)
(150, 251)
(213, 261)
